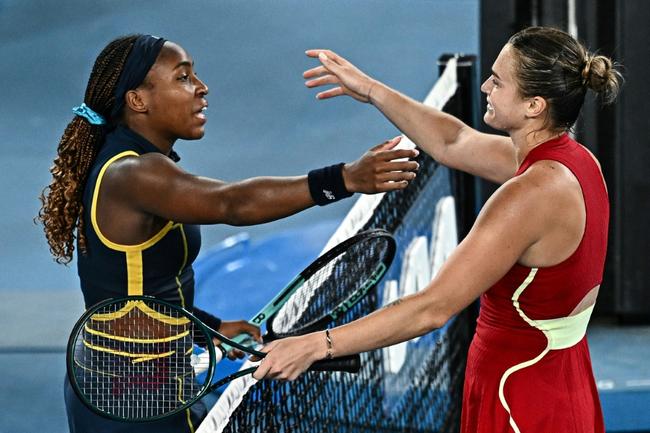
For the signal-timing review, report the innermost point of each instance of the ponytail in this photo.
(61, 212)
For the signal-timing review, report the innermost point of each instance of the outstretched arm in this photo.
(446, 138)
(152, 184)
(509, 224)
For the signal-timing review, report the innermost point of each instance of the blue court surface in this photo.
(262, 121)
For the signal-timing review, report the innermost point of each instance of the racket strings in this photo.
(136, 361)
(331, 285)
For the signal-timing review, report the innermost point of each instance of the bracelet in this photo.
(328, 340)
(326, 184)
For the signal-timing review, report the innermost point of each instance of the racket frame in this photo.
(269, 311)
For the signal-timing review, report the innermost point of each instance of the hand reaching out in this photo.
(336, 70)
(381, 169)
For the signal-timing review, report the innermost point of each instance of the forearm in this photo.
(402, 320)
(172, 194)
(263, 199)
(431, 129)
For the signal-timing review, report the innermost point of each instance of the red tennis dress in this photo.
(528, 367)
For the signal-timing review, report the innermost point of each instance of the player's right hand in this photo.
(338, 71)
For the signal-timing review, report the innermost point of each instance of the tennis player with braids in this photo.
(535, 255)
(117, 190)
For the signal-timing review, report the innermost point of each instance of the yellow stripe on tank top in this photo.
(138, 357)
(93, 214)
(134, 252)
(188, 414)
(189, 421)
(142, 306)
(171, 338)
(134, 273)
(180, 271)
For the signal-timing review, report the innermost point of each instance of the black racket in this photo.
(134, 359)
(347, 281)
(327, 288)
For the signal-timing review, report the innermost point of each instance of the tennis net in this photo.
(410, 387)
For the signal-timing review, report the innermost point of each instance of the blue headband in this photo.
(85, 111)
(138, 63)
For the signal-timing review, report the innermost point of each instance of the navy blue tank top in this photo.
(160, 266)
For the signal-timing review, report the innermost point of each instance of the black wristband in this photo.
(207, 318)
(326, 184)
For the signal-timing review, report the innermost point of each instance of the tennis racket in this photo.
(134, 359)
(326, 289)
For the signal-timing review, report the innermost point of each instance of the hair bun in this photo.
(600, 75)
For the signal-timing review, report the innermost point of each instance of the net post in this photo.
(465, 188)
(462, 105)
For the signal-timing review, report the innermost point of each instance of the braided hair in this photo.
(61, 212)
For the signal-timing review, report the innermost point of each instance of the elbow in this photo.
(441, 320)
(235, 208)
(436, 320)
(433, 315)
(243, 204)
(229, 210)
(237, 216)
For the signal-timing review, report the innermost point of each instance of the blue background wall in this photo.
(262, 121)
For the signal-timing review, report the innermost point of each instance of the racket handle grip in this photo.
(349, 364)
